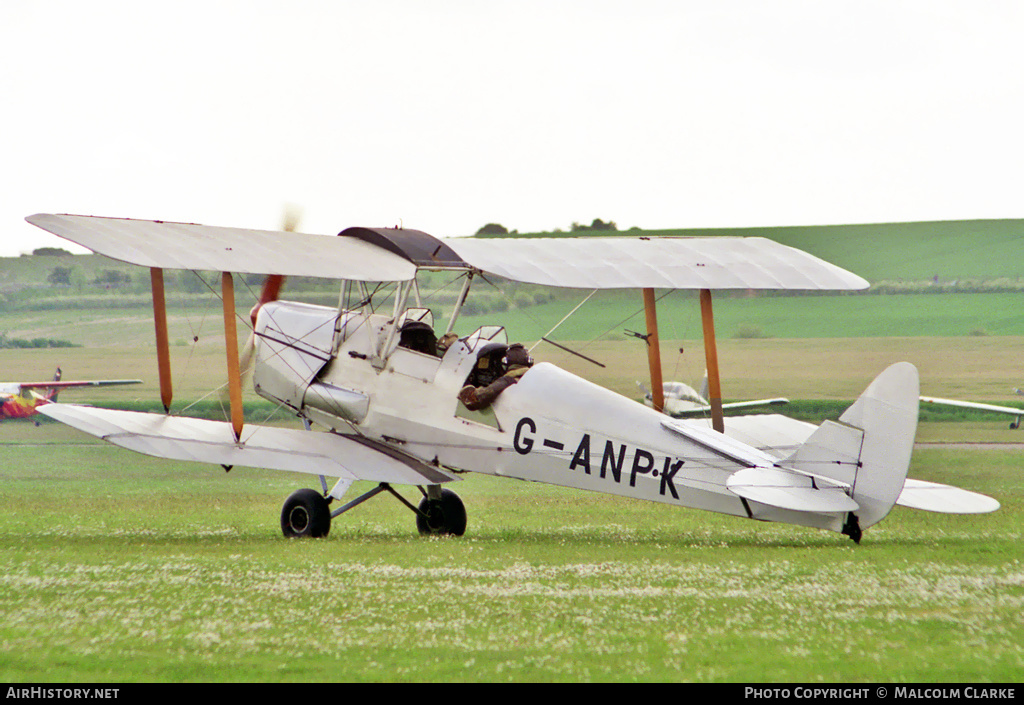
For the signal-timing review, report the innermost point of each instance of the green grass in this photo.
(120, 568)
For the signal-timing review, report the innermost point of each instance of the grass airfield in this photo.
(117, 567)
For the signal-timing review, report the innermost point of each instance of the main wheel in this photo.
(305, 513)
(445, 516)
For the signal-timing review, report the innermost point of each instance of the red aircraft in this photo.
(19, 400)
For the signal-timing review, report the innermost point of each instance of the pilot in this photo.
(445, 342)
(418, 336)
(515, 362)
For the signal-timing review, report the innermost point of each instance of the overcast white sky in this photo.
(445, 115)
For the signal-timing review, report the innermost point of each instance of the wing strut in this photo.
(711, 355)
(654, 351)
(163, 353)
(227, 285)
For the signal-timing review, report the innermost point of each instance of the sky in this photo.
(447, 115)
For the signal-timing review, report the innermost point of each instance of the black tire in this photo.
(305, 514)
(443, 517)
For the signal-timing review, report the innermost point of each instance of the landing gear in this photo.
(441, 514)
(852, 527)
(305, 514)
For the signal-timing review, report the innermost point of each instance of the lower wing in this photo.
(204, 441)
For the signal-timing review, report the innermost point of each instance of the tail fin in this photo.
(869, 448)
(52, 395)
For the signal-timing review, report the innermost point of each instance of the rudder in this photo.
(870, 447)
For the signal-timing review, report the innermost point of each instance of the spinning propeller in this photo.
(270, 292)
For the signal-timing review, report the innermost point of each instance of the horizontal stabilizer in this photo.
(204, 441)
(933, 497)
(789, 490)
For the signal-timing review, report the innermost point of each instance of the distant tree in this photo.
(15, 343)
(597, 224)
(194, 282)
(60, 276)
(113, 277)
(52, 252)
(493, 229)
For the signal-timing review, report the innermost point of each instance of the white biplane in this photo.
(392, 411)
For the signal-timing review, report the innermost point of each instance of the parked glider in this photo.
(20, 400)
(681, 400)
(1013, 411)
(372, 375)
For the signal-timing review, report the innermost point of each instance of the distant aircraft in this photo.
(683, 400)
(1011, 410)
(19, 400)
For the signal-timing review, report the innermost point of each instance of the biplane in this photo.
(20, 400)
(381, 400)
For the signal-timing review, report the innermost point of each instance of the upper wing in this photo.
(974, 405)
(200, 440)
(591, 263)
(657, 262)
(190, 246)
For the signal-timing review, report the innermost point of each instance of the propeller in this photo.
(270, 292)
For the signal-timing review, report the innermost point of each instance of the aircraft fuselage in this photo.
(551, 427)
